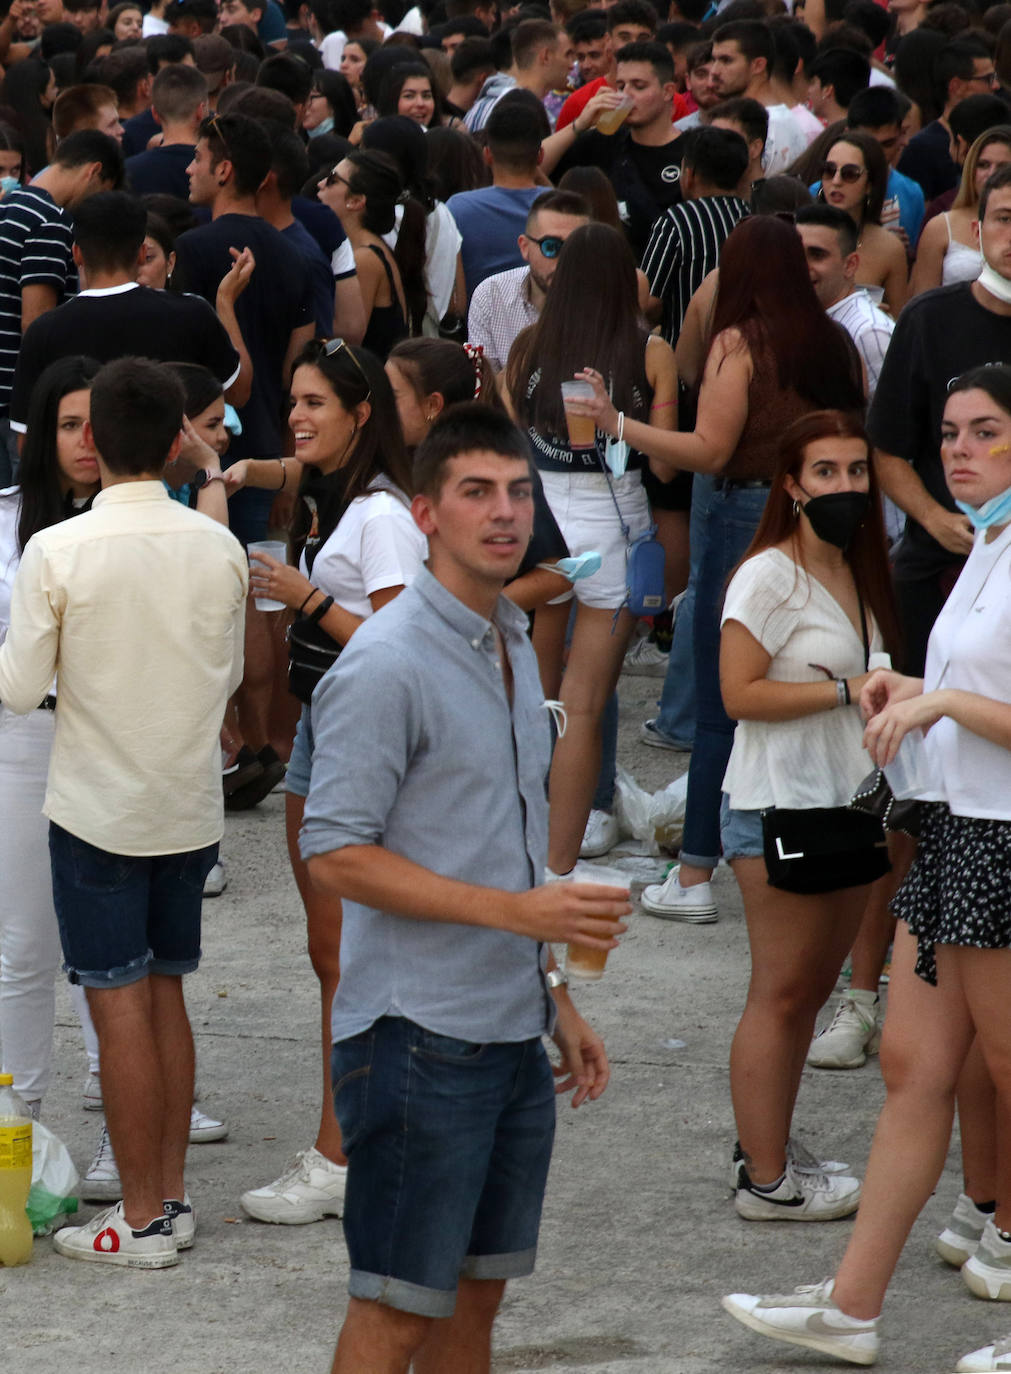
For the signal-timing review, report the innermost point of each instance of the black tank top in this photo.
(387, 325)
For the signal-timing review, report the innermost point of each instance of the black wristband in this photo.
(321, 610)
(312, 592)
(846, 689)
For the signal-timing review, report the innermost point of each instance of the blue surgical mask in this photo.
(325, 126)
(232, 422)
(996, 511)
(9, 184)
(582, 565)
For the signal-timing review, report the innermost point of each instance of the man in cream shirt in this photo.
(140, 604)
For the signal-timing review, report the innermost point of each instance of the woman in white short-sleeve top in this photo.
(793, 661)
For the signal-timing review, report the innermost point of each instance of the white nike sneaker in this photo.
(810, 1318)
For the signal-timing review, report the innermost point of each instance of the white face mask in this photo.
(992, 281)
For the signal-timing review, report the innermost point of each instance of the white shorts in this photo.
(581, 504)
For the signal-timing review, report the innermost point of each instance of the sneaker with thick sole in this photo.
(853, 1033)
(272, 771)
(800, 1196)
(184, 1226)
(91, 1095)
(108, 1238)
(987, 1271)
(101, 1182)
(216, 881)
(989, 1359)
(645, 659)
(650, 734)
(959, 1239)
(600, 835)
(804, 1161)
(204, 1128)
(676, 903)
(311, 1188)
(808, 1317)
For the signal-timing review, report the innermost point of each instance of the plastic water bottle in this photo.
(15, 1175)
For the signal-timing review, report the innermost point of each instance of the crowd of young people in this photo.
(372, 242)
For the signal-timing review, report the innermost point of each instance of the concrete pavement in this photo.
(639, 1239)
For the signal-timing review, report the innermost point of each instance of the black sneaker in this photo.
(245, 768)
(272, 771)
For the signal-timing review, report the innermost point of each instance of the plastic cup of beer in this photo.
(274, 548)
(611, 120)
(582, 430)
(587, 965)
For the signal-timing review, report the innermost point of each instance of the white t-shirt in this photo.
(970, 649)
(376, 544)
(786, 140)
(816, 760)
(332, 47)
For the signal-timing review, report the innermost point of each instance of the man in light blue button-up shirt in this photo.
(427, 816)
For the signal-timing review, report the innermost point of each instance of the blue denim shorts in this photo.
(121, 916)
(296, 779)
(740, 832)
(249, 514)
(448, 1145)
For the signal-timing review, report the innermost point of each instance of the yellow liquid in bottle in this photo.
(15, 1181)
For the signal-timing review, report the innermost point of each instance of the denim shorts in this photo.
(448, 1145)
(296, 779)
(123, 916)
(740, 832)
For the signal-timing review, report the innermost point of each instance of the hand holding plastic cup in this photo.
(610, 121)
(275, 548)
(582, 430)
(908, 774)
(581, 963)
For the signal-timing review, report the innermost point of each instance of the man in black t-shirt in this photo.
(117, 318)
(641, 160)
(939, 335)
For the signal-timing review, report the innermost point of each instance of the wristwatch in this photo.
(557, 978)
(204, 476)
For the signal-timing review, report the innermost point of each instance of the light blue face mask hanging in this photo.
(996, 511)
(581, 565)
(616, 451)
(232, 422)
(325, 126)
(9, 184)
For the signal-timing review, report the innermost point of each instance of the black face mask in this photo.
(837, 517)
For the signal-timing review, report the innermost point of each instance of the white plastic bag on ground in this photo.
(53, 1194)
(656, 819)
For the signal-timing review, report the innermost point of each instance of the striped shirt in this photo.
(683, 248)
(869, 328)
(36, 236)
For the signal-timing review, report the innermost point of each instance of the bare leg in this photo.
(986, 978)
(253, 697)
(977, 1120)
(378, 1340)
(548, 639)
(877, 929)
(798, 944)
(323, 918)
(591, 675)
(672, 532)
(174, 1041)
(462, 1343)
(927, 1036)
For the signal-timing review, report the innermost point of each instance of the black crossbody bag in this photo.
(826, 848)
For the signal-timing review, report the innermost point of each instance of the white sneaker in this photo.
(109, 1239)
(987, 1271)
(676, 903)
(958, 1241)
(600, 835)
(807, 1196)
(853, 1033)
(91, 1096)
(803, 1160)
(184, 1227)
(987, 1359)
(204, 1128)
(216, 881)
(309, 1190)
(644, 659)
(810, 1318)
(101, 1182)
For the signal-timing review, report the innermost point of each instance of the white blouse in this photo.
(816, 760)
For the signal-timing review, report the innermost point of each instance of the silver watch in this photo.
(557, 978)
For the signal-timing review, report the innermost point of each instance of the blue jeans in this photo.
(733, 519)
(123, 916)
(448, 1144)
(676, 718)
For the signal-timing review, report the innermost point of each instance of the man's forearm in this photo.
(898, 480)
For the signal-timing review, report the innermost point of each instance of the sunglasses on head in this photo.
(550, 245)
(848, 172)
(328, 348)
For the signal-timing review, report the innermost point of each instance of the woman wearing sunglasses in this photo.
(359, 548)
(948, 250)
(854, 177)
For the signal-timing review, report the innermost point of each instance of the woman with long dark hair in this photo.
(774, 356)
(591, 308)
(854, 178)
(363, 191)
(359, 547)
(29, 90)
(951, 966)
(331, 106)
(408, 90)
(58, 478)
(808, 606)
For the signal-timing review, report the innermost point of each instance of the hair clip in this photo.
(475, 352)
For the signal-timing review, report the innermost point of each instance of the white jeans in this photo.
(29, 938)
